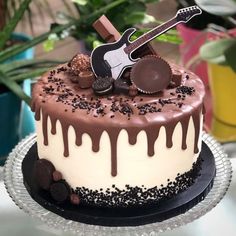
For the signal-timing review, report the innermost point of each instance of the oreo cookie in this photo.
(103, 86)
(43, 173)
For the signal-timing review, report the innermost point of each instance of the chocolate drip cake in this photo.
(109, 143)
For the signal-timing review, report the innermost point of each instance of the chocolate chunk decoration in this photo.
(60, 191)
(151, 74)
(106, 29)
(121, 86)
(176, 77)
(103, 86)
(86, 79)
(43, 172)
(133, 91)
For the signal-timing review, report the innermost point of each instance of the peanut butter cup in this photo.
(151, 74)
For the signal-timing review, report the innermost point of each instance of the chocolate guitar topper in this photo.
(112, 59)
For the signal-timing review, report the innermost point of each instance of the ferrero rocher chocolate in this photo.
(79, 63)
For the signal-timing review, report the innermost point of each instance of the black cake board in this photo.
(125, 216)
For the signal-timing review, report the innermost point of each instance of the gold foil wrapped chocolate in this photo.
(79, 63)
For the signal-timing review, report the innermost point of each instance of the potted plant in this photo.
(219, 51)
(15, 68)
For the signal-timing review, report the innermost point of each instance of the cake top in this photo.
(58, 87)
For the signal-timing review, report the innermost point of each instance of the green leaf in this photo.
(14, 87)
(218, 7)
(28, 74)
(148, 19)
(80, 2)
(14, 50)
(9, 28)
(214, 51)
(230, 56)
(134, 17)
(35, 63)
(49, 45)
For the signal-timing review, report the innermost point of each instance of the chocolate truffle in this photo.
(60, 191)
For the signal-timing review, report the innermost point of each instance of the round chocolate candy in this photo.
(103, 86)
(43, 173)
(57, 175)
(74, 199)
(151, 74)
(60, 191)
(80, 62)
(86, 79)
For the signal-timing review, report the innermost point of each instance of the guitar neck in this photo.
(145, 38)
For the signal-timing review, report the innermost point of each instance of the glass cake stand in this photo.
(13, 179)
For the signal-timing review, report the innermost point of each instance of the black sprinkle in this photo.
(131, 196)
(185, 90)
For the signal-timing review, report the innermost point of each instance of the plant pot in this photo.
(10, 107)
(16, 119)
(222, 80)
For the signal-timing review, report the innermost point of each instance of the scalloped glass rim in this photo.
(13, 179)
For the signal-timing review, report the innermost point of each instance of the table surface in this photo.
(221, 220)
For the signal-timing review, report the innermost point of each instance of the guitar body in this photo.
(110, 59)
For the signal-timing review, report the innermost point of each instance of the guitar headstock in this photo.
(185, 14)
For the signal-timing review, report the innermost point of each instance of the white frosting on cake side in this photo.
(85, 168)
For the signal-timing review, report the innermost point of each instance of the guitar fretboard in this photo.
(150, 35)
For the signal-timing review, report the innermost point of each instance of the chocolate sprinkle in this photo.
(133, 196)
(185, 90)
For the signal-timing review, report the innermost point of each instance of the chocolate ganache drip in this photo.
(57, 99)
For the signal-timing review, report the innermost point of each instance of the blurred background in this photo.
(38, 34)
(35, 35)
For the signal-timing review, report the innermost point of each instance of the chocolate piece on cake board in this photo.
(110, 34)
